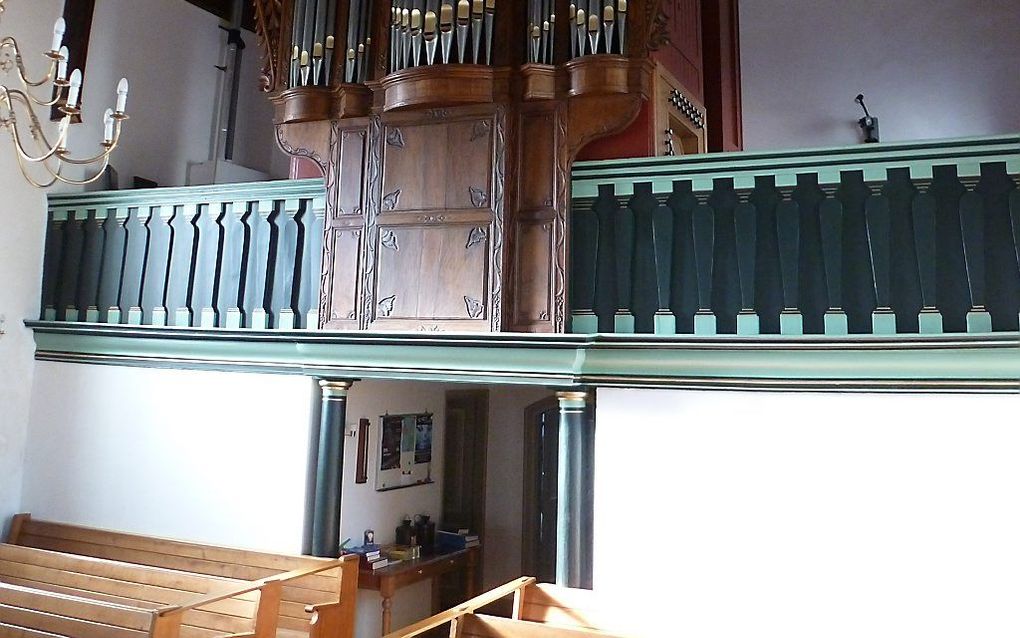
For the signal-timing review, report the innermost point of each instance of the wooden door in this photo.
(541, 441)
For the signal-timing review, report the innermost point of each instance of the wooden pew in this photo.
(35, 613)
(538, 610)
(144, 587)
(318, 596)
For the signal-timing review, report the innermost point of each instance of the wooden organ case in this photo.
(448, 183)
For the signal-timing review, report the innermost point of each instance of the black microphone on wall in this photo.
(867, 123)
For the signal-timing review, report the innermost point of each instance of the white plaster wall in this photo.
(724, 514)
(168, 50)
(927, 69)
(22, 219)
(208, 456)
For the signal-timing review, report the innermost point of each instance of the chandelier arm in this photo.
(31, 180)
(36, 128)
(10, 43)
(105, 154)
(12, 122)
(83, 182)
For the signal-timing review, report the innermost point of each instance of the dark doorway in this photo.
(465, 440)
(541, 441)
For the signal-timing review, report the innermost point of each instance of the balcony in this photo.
(853, 268)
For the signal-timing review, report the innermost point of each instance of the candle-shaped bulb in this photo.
(477, 6)
(416, 19)
(593, 23)
(296, 55)
(62, 65)
(122, 93)
(430, 22)
(446, 14)
(75, 88)
(317, 50)
(304, 58)
(608, 14)
(330, 43)
(108, 126)
(622, 6)
(59, 28)
(62, 130)
(580, 17)
(463, 9)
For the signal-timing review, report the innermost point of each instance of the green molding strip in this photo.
(960, 363)
(874, 159)
(181, 195)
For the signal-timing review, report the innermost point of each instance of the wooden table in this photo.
(389, 579)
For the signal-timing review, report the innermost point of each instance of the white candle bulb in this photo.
(122, 93)
(75, 88)
(108, 122)
(62, 65)
(58, 34)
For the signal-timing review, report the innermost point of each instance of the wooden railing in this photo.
(226, 256)
(875, 239)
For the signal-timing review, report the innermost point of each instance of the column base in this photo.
(791, 323)
(705, 324)
(883, 322)
(835, 323)
(623, 323)
(665, 323)
(929, 322)
(584, 322)
(71, 314)
(92, 314)
(285, 320)
(159, 316)
(182, 318)
(113, 315)
(312, 320)
(134, 316)
(259, 319)
(748, 324)
(207, 318)
(234, 318)
(979, 321)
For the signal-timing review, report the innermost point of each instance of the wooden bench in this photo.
(35, 613)
(139, 586)
(318, 596)
(539, 610)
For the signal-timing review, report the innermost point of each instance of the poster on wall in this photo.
(405, 451)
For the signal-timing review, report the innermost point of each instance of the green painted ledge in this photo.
(948, 363)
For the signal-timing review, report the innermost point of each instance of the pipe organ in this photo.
(446, 131)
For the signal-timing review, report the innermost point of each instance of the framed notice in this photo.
(405, 451)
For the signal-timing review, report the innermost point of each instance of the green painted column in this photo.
(575, 492)
(329, 469)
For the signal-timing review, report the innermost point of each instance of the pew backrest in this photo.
(34, 613)
(138, 586)
(570, 607)
(318, 595)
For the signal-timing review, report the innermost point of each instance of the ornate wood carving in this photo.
(269, 21)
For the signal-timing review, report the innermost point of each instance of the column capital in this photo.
(334, 389)
(573, 399)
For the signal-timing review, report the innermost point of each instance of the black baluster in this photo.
(164, 245)
(791, 320)
(684, 291)
(230, 291)
(929, 320)
(662, 231)
(726, 297)
(954, 295)
(1002, 275)
(606, 298)
(703, 219)
(51, 266)
(904, 296)
(851, 286)
(133, 277)
(644, 278)
(767, 282)
(114, 249)
(207, 242)
(182, 259)
(812, 295)
(972, 223)
(91, 265)
(745, 219)
(584, 240)
(623, 234)
(70, 266)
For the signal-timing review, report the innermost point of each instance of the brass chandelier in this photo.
(43, 165)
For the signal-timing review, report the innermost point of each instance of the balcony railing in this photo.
(889, 239)
(228, 256)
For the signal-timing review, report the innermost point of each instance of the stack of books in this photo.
(456, 541)
(371, 557)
